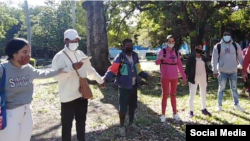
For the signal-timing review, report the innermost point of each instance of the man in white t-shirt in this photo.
(73, 106)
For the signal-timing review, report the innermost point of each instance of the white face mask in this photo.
(73, 46)
(227, 38)
(171, 45)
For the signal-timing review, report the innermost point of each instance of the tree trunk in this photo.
(197, 39)
(73, 12)
(222, 29)
(97, 43)
(27, 12)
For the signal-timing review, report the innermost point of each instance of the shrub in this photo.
(33, 62)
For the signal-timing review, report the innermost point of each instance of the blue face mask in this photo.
(226, 38)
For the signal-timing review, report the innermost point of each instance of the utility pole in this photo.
(73, 11)
(28, 22)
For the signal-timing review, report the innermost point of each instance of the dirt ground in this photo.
(46, 111)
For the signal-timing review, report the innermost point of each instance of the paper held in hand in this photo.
(86, 58)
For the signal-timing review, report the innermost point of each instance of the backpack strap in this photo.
(164, 52)
(3, 121)
(71, 62)
(236, 49)
(164, 56)
(3, 79)
(218, 48)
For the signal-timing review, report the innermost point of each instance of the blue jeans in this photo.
(222, 79)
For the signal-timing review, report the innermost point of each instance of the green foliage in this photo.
(33, 62)
(192, 20)
(118, 27)
(156, 19)
(6, 21)
(48, 24)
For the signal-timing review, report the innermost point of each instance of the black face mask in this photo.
(199, 51)
(128, 49)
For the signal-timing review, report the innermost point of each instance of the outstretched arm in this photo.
(180, 68)
(58, 63)
(140, 72)
(214, 61)
(114, 68)
(43, 74)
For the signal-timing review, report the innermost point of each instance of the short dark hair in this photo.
(14, 45)
(227, 31)
(126, 41)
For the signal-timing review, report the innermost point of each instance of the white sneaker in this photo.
(239, 108)
(242, 93)
(176, 117)
(219, 108)
(163, 118)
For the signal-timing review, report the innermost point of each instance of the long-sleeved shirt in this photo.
(193, 68)
(19, 83)
(127, 72)
(170, 71)
(228, 62)
(246, 62)
(69, 82)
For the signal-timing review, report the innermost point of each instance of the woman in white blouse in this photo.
(197, 72)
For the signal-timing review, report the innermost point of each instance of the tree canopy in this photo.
(146, 22)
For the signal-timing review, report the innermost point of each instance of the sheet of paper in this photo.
(86, 61)
(86, 58)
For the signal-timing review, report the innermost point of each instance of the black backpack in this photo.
(165, 52)
(164, 56)
(219, 48)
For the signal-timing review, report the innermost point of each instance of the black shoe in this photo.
(191, 114)
(205, 112)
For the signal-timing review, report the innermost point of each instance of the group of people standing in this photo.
(17, 77)
(68, 65)
(226, 57)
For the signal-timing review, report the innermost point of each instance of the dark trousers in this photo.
(127, 99)
(74, 109)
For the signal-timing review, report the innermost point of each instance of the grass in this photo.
(103, 122)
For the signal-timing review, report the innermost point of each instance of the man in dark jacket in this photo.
(127, 69)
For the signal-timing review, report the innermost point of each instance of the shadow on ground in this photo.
(154, 88)
(146, 118)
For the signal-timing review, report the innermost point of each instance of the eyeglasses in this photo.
(226, 35)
